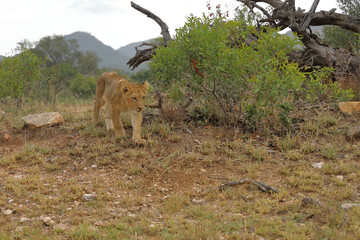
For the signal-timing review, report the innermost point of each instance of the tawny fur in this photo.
(120, 95)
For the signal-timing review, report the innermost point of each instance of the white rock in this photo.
(198, 201)
(24, 219)
(87, 197)
(318, 165)
(94, 166)
(349, 205)
(7, 211)
(43, 119)
(340, 177)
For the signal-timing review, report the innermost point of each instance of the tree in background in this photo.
(66, 60)
(342, 38)
(23, 77)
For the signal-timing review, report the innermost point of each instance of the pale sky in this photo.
(114, 22)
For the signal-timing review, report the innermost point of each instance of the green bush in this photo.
(234, 77)
(83, 86)
(208, 57)
(24, 77)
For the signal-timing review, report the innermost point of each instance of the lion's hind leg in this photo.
(108, 121)
(98, 103)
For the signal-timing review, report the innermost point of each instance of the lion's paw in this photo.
(139, 141)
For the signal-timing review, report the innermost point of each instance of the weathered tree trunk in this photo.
(147, 54)
(283, 14)
(316, 53)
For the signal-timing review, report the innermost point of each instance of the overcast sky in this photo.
(114, 22)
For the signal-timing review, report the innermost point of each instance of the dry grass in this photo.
(168, 189)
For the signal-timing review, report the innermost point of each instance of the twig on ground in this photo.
(264, 187)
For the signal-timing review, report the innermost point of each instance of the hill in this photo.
(110, 58)
(129, 49)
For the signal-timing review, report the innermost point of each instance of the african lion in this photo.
(120, 95)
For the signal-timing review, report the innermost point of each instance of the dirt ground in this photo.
(76, 181)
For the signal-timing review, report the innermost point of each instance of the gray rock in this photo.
(353, 133)
(7, 211)
(24, 219)
(87, 197)
(349, 205)
(318, 165)
(43, 119)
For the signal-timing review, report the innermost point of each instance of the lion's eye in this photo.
(134, 98)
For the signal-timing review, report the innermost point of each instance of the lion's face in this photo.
(135, 95)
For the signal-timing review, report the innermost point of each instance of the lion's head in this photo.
(134, 95)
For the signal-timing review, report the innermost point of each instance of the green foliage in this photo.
(83, 86)
(342, 38)
(65, 58)
(229, 75)
(236, 78)
(314, 89)
(23, 76)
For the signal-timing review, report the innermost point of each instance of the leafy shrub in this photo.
(234, 77)
(83, 86)
(24, 77)
(230, 77)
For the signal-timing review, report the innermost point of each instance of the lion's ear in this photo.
(145, 85)
(125, 89)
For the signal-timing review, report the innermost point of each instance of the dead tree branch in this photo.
(316, 53)
(146, 54)
(264, 187)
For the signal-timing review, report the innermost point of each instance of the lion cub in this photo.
(120, 95)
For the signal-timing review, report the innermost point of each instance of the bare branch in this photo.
(147, 54)
(309, 15)
(163, 25)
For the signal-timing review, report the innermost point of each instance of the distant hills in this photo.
(110, 58)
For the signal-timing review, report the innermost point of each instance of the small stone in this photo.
(131, 215)
(318, 165)
(349, 205)
(198, 201)
(24, 219)
(47, 220)
(340, 177)
(87, 197)
(189, 131)
(7, 211)
(197, 141)
(152, 225)
(94, 166)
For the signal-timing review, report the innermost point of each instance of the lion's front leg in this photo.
(136, 120)
(115, 117)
